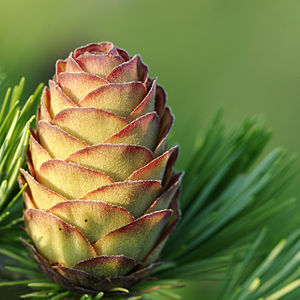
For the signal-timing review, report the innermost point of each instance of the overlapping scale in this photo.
(101, 199)
(116, 160)
(59, 100)
(117, 98)
(77, 85)
(46, 230)
(136, 239)
(70, 180)
(57, 142)
(94, 219)
(104, 124)
(134, 196)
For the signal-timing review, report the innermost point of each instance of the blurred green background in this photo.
(243, 55)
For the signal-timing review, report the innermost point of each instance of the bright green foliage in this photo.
(274, 276)
(15, 123)
(225, 199)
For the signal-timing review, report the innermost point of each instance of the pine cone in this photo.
(102, 197)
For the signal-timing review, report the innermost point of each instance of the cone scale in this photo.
(102, 196)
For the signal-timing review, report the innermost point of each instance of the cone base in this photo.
(81, 282)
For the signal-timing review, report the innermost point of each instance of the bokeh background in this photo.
(242, 55)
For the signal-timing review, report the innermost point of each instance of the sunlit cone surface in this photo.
(102, 195)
